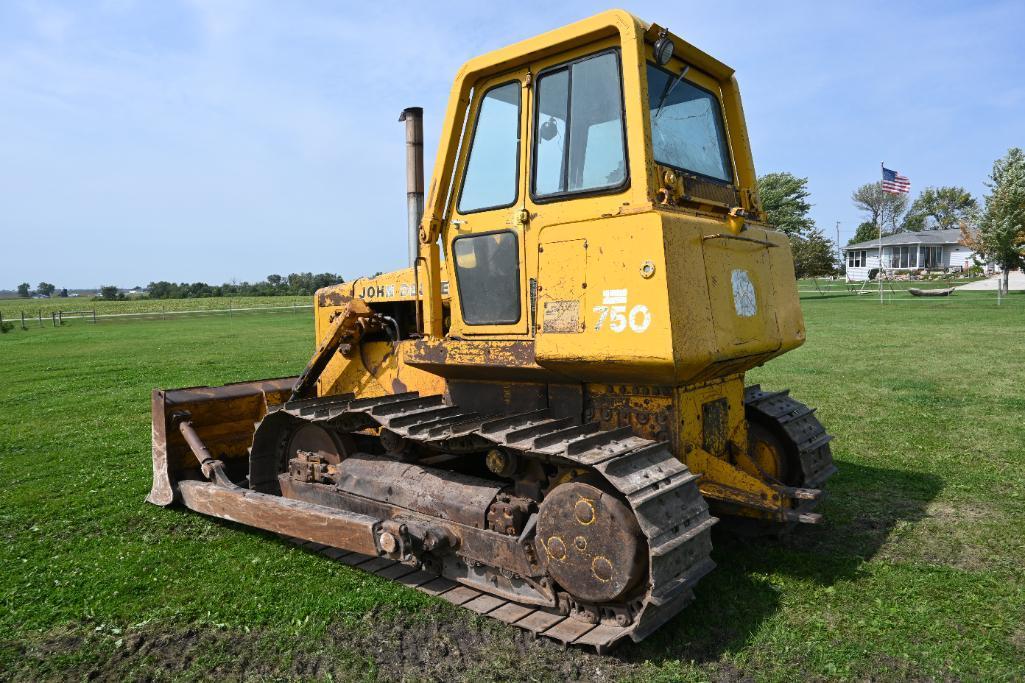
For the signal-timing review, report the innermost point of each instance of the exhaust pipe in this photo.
(414, 118)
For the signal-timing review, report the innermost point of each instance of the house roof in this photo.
(933, 237)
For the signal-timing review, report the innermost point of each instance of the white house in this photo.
(935, 250)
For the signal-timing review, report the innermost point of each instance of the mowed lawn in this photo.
(917, 572)
(38, 311)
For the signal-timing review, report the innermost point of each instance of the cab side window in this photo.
(579, 142)
(493, 167)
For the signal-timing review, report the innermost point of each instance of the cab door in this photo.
(488, 274)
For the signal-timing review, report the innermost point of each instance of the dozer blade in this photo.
(225, 419)
(295, 518)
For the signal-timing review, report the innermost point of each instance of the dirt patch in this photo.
(887, 668)
(960, 513)
(435, 645)
(961, 536)
(1018, 640)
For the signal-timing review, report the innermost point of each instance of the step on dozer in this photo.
(538, 418)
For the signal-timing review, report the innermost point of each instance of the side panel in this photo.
(562, 269)
(741, 295)
(621, 331)
(733, 302)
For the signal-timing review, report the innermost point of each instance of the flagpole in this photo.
(879, 226)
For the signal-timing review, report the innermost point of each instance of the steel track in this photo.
(801, 431)
(660, 490)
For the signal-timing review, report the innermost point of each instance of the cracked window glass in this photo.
(686, 126)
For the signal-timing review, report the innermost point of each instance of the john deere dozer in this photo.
(536, 417)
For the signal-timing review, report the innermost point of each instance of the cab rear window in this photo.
(686, 126)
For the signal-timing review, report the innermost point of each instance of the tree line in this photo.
(935, 208)
(293, 284)
(43, 289)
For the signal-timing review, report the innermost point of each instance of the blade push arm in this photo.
(344, 333)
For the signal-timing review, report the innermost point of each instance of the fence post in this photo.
(1, 320)
(94, 316)
(229, 309)
(40, 317)
(23, 321)
(53, 318)
(60, 318)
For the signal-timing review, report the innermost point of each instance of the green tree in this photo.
(866, 232)
(109, 293)
(785, 202)
(24, 290)
(814, 254)
(1000, 235)
(63, 293)
(881, 208)
(941, 208)
(45, 288)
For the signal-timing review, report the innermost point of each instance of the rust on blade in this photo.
(224, 417)
(327, 526)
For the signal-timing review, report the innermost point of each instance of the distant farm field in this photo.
(13, 308)
(918, 571)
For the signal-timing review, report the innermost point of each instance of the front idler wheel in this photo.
(591, 543)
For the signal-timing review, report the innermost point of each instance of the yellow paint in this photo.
(645, 285)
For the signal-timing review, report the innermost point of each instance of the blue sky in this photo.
(228, 140)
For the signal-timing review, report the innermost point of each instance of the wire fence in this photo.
(57, 318)
(807, 290)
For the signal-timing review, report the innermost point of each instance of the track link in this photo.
(800, 430)
(660, 490)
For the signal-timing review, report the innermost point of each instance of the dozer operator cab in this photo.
(594, 199)
(535, 417)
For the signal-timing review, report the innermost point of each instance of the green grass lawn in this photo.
(917, 571)
(11, 309)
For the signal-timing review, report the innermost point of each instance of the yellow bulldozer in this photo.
(538, 417)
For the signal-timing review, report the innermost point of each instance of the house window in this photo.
(932, 257)
(857, 259)
(904, 257)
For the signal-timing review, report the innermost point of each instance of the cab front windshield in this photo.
(686, 126)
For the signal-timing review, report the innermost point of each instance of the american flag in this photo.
(895, 183)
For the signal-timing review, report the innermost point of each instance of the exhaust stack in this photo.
(414, 118)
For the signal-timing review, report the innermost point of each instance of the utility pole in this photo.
(839, 249)
(879, 225)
